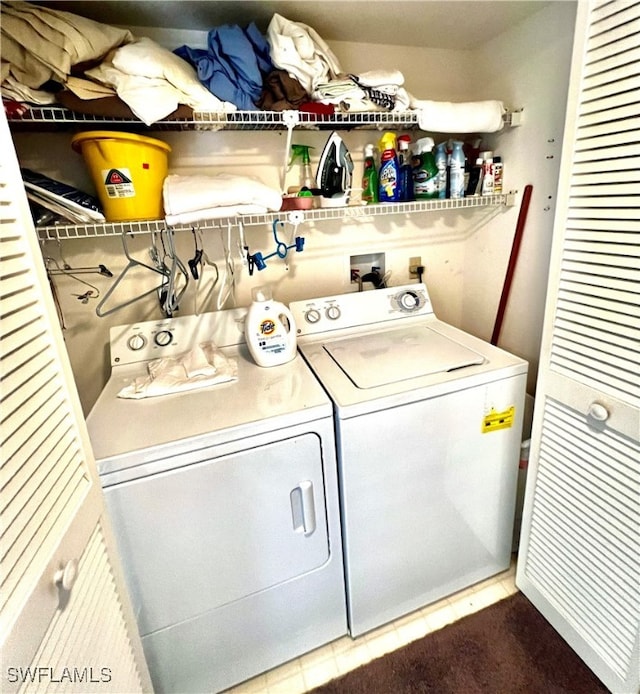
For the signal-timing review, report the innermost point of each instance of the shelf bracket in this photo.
(291, 120)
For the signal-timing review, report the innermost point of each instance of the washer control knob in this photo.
(163, 338)
(333, 312)
(409, 301)
(136, 342)
(312, 315)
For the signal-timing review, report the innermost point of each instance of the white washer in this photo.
(225, 507)
(428, 426)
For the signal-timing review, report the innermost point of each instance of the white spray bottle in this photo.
(269, 329)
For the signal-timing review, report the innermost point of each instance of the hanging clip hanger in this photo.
(198, 265)
(169, 297)
(133, 263)
(68, 271)
(259, 261)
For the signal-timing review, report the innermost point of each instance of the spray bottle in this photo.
(425, 171)
(269, 330)
(457, 171)
(300, 153)
(441, 164)
(406, 174)
(369, 177)
(389, 176)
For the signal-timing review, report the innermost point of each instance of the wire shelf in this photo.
(87, 231)
(237, 120)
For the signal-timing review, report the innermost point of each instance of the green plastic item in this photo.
(301, 153)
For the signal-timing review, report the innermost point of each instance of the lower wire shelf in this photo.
(85, 231)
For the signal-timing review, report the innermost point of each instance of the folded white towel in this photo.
(203, 366)
(201, 192)
(381, 78)
(463, 117)
(209, 213)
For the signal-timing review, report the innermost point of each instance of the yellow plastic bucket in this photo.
(127, 171)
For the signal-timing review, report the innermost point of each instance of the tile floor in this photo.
(336, 658)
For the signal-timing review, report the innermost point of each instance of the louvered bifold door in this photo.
(63, 623)
(580, 548)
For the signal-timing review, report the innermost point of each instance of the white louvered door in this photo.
(65, 621)
(579, 557)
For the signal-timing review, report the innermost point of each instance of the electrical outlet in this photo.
(414, 264)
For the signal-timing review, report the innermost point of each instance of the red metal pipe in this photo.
(513, 260)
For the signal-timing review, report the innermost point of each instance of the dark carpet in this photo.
(507, 648)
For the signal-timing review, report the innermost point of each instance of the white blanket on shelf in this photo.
(184, 194)
(153, 81)
(462, 117)
(208, 213)
(301, 51)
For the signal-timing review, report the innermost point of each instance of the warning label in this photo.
(118, 183)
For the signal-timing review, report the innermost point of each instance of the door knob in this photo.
(598, 412)
(65, 578)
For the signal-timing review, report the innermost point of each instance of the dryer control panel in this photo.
(343, 311)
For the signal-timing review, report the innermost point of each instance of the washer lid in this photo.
(382, 358)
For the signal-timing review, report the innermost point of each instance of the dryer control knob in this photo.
(136, 342)
(163, 338)
(333, 312)
(312, 315)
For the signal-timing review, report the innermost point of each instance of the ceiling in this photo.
(428, 23)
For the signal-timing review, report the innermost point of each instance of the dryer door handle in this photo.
(303, 508)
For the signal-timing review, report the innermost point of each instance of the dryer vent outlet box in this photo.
(361, 266)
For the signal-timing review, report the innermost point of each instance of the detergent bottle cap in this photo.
(424, 144)
(261, 293)
(368, 150)
(387, 141)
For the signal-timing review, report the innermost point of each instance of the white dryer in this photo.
(224, 503)
(428, 427)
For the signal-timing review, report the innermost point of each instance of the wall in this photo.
(528, 65)
(464, 252)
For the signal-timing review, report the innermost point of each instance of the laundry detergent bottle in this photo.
(389, 175)
(269, 329)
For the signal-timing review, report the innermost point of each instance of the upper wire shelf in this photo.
(237, 120)
(85, 231)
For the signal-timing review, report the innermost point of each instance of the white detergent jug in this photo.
(269, 330)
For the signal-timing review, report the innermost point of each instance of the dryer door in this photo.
(220, 526)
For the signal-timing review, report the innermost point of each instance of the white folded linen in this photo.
(381, 78)
(202, 366)
(462, 117)
(301, 51)
(223, 212)
(153, 81)
(200, 192)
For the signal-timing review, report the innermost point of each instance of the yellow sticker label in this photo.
(498, 420)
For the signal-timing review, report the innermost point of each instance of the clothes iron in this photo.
(335, 172)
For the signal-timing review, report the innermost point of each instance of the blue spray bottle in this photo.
(389, 175)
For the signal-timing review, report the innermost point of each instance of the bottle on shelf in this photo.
(497, 175)
(457, 171)
(369, 177)
(441, 164)
(406, 173)
(425, 171)
(389, 175)
(487, 172)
